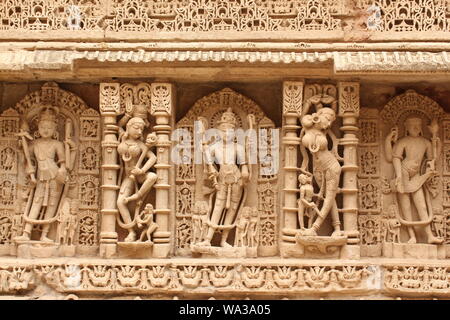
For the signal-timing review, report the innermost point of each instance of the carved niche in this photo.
(49, 171)
(252, 229)
(411, 177)
(136, 179)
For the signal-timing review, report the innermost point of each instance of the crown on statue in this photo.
(48, 114)
(228, 117)
(140, 111)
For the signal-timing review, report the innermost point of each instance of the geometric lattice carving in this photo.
(177, 15)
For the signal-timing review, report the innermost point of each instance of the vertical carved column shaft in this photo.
(292, 103)
(349, 111)
(161, 109)
(109, 106)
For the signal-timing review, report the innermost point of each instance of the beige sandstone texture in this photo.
(254, 149)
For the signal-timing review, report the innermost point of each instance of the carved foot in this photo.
(47, 240)
(24, 237)
(308, 232)
(435, 240)
(225, 244)
(131, 237)
(412, 241)
(204, 243)
(337, 233)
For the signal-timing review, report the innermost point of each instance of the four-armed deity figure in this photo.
(408, 155)
(229, 181)
(51, 158)
(327, 169)
(133, 151)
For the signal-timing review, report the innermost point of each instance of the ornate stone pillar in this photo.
(292, 106)
(349, 111)
(161, 108)
(109, 108)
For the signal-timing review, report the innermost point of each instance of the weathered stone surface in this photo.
(266, 149)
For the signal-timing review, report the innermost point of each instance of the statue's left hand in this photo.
(61, 175)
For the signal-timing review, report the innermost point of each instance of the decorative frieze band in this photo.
(231, 277)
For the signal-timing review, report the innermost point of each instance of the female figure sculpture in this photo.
(133, 151)
(327, 169)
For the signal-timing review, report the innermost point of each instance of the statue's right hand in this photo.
(399, 185)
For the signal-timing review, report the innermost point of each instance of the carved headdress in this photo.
(228, 117)
(48, 113)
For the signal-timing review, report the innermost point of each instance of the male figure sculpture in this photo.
(407, 156)
(51, 174)
(229, 181)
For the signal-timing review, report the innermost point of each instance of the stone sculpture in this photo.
(136, 178)
(326, 166)
(229, 181)
(409, 155)
(53, 160)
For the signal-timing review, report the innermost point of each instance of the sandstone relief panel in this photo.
(325, 177)
(50, 175)
(227, 185)
(403, 160)
(340, 199)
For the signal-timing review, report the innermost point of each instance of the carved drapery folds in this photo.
(49, 175)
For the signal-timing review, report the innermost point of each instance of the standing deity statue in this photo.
(327, 169)
(133, 151)
(53, 159)
(408, 155)
(229, 181)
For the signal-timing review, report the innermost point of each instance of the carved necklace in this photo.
(133, 150)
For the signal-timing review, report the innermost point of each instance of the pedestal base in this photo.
(136, 250)
(318, 247)
(67, 251)
(220, 252)
(414, 251)
(374, 250)
(7, 249)
(36, 249)
(161, 250)
(87, 251)
(108, 250)
(351, 252)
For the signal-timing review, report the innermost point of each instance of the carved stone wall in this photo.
(224, 149)
(356, 20)
(371, 260)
